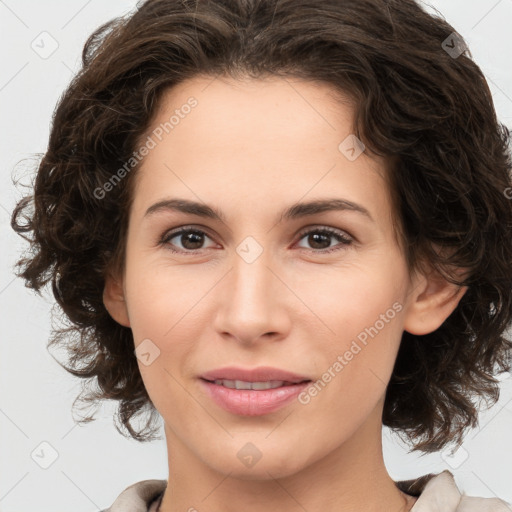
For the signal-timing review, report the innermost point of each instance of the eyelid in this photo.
(323, 227)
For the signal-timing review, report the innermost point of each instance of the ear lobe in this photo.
(433, 301)
(114, 300)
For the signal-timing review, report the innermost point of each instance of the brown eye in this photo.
(320, 239)
(190, 240)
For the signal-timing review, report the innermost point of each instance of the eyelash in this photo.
(344, 240)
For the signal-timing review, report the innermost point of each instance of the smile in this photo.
(252, 398)
(240, 384)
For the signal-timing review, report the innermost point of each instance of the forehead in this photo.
(260, 138)
(270, 109)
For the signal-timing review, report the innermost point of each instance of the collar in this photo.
(439, 493)
(435, 492)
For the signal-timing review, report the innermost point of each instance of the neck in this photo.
(351, 477)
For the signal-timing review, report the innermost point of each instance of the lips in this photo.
(234, 390)
(259, 374)
(251, 402)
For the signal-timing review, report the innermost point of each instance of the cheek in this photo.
(361, 322)
(357, 364)
(163, 306)
(347, 300)
(159, 297)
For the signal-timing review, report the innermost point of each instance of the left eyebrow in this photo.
(323, 205)
(295, 211)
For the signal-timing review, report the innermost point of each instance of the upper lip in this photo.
(259, 374)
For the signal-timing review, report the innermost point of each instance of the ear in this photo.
(114, 300)
(433, 300)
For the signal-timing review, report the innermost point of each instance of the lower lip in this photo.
(252, 402)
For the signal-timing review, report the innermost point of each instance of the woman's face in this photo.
(259, 288)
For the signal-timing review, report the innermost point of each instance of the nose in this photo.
(251, 303)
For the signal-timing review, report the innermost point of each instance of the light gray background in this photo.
(94, 462)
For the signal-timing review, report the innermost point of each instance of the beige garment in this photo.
(439, 493)
(436, 492)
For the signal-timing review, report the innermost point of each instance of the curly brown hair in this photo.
(425, 109)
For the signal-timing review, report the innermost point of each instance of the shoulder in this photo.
(439, 493)
(137, 497)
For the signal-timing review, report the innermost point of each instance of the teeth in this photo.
(240, 384)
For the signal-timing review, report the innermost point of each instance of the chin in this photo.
(248, 462)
